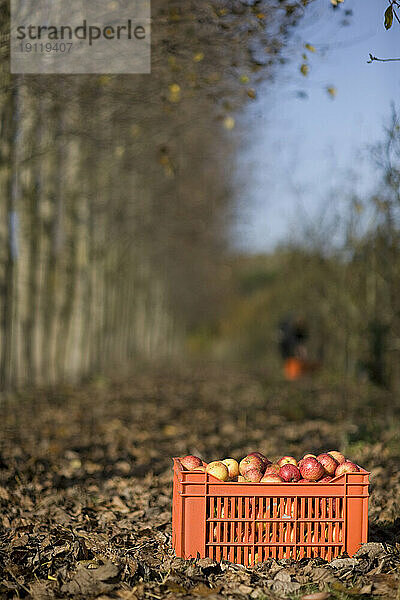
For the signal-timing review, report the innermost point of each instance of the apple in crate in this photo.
(265, 460)
(346, 467)
(311, 469)
(328, 462)
(304, 457)
(218, 470)
(233, 467)
(287, 460)
(289, 472)
(190, 462)
(202, 469)
(250, 462)
(272, 478)
(338, 456)
(273, 468)
(254, 475)
(325, 479)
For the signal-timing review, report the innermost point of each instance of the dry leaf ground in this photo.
(85, 483)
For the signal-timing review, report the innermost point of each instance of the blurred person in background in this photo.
(293, 336)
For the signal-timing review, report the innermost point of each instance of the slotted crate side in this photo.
(177, 519)
(356, 515)
(248, 523)
(188, 516)
(320, 527)
(263, 527)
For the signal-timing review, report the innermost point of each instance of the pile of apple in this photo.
(256, 468)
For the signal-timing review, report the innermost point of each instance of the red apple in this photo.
(250, 462)
(273, 478)
(289, 472)
(346, 467)
(328, 462)
(273, 468)
(338, 456)
(218, 470)
(190, 462)
(285, 460)
(304, 457)
(325, 479)
(311, 469)
(254, 475)
(265, 460)
(305, 481)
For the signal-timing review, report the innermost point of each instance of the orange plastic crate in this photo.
(247, 523)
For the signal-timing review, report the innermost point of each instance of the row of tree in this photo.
(115, 192)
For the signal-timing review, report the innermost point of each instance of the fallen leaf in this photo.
(317, 596)
(339, 563)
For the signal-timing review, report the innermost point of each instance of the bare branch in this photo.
(373, 58)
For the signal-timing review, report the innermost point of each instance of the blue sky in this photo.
(294, 151)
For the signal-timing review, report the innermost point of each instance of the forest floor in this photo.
(85, 483)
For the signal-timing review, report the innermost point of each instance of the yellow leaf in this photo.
(174, 88)
(198, 57)
(310, 47)
(388, 17)
(51, 578)
(104, 79)
(260, 16)
(331, 91)
(229, 123)
(244, 79)
(251, 93)
(174, 92)
(304, 69)
(170, 430)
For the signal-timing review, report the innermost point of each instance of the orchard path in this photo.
(85, 482)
